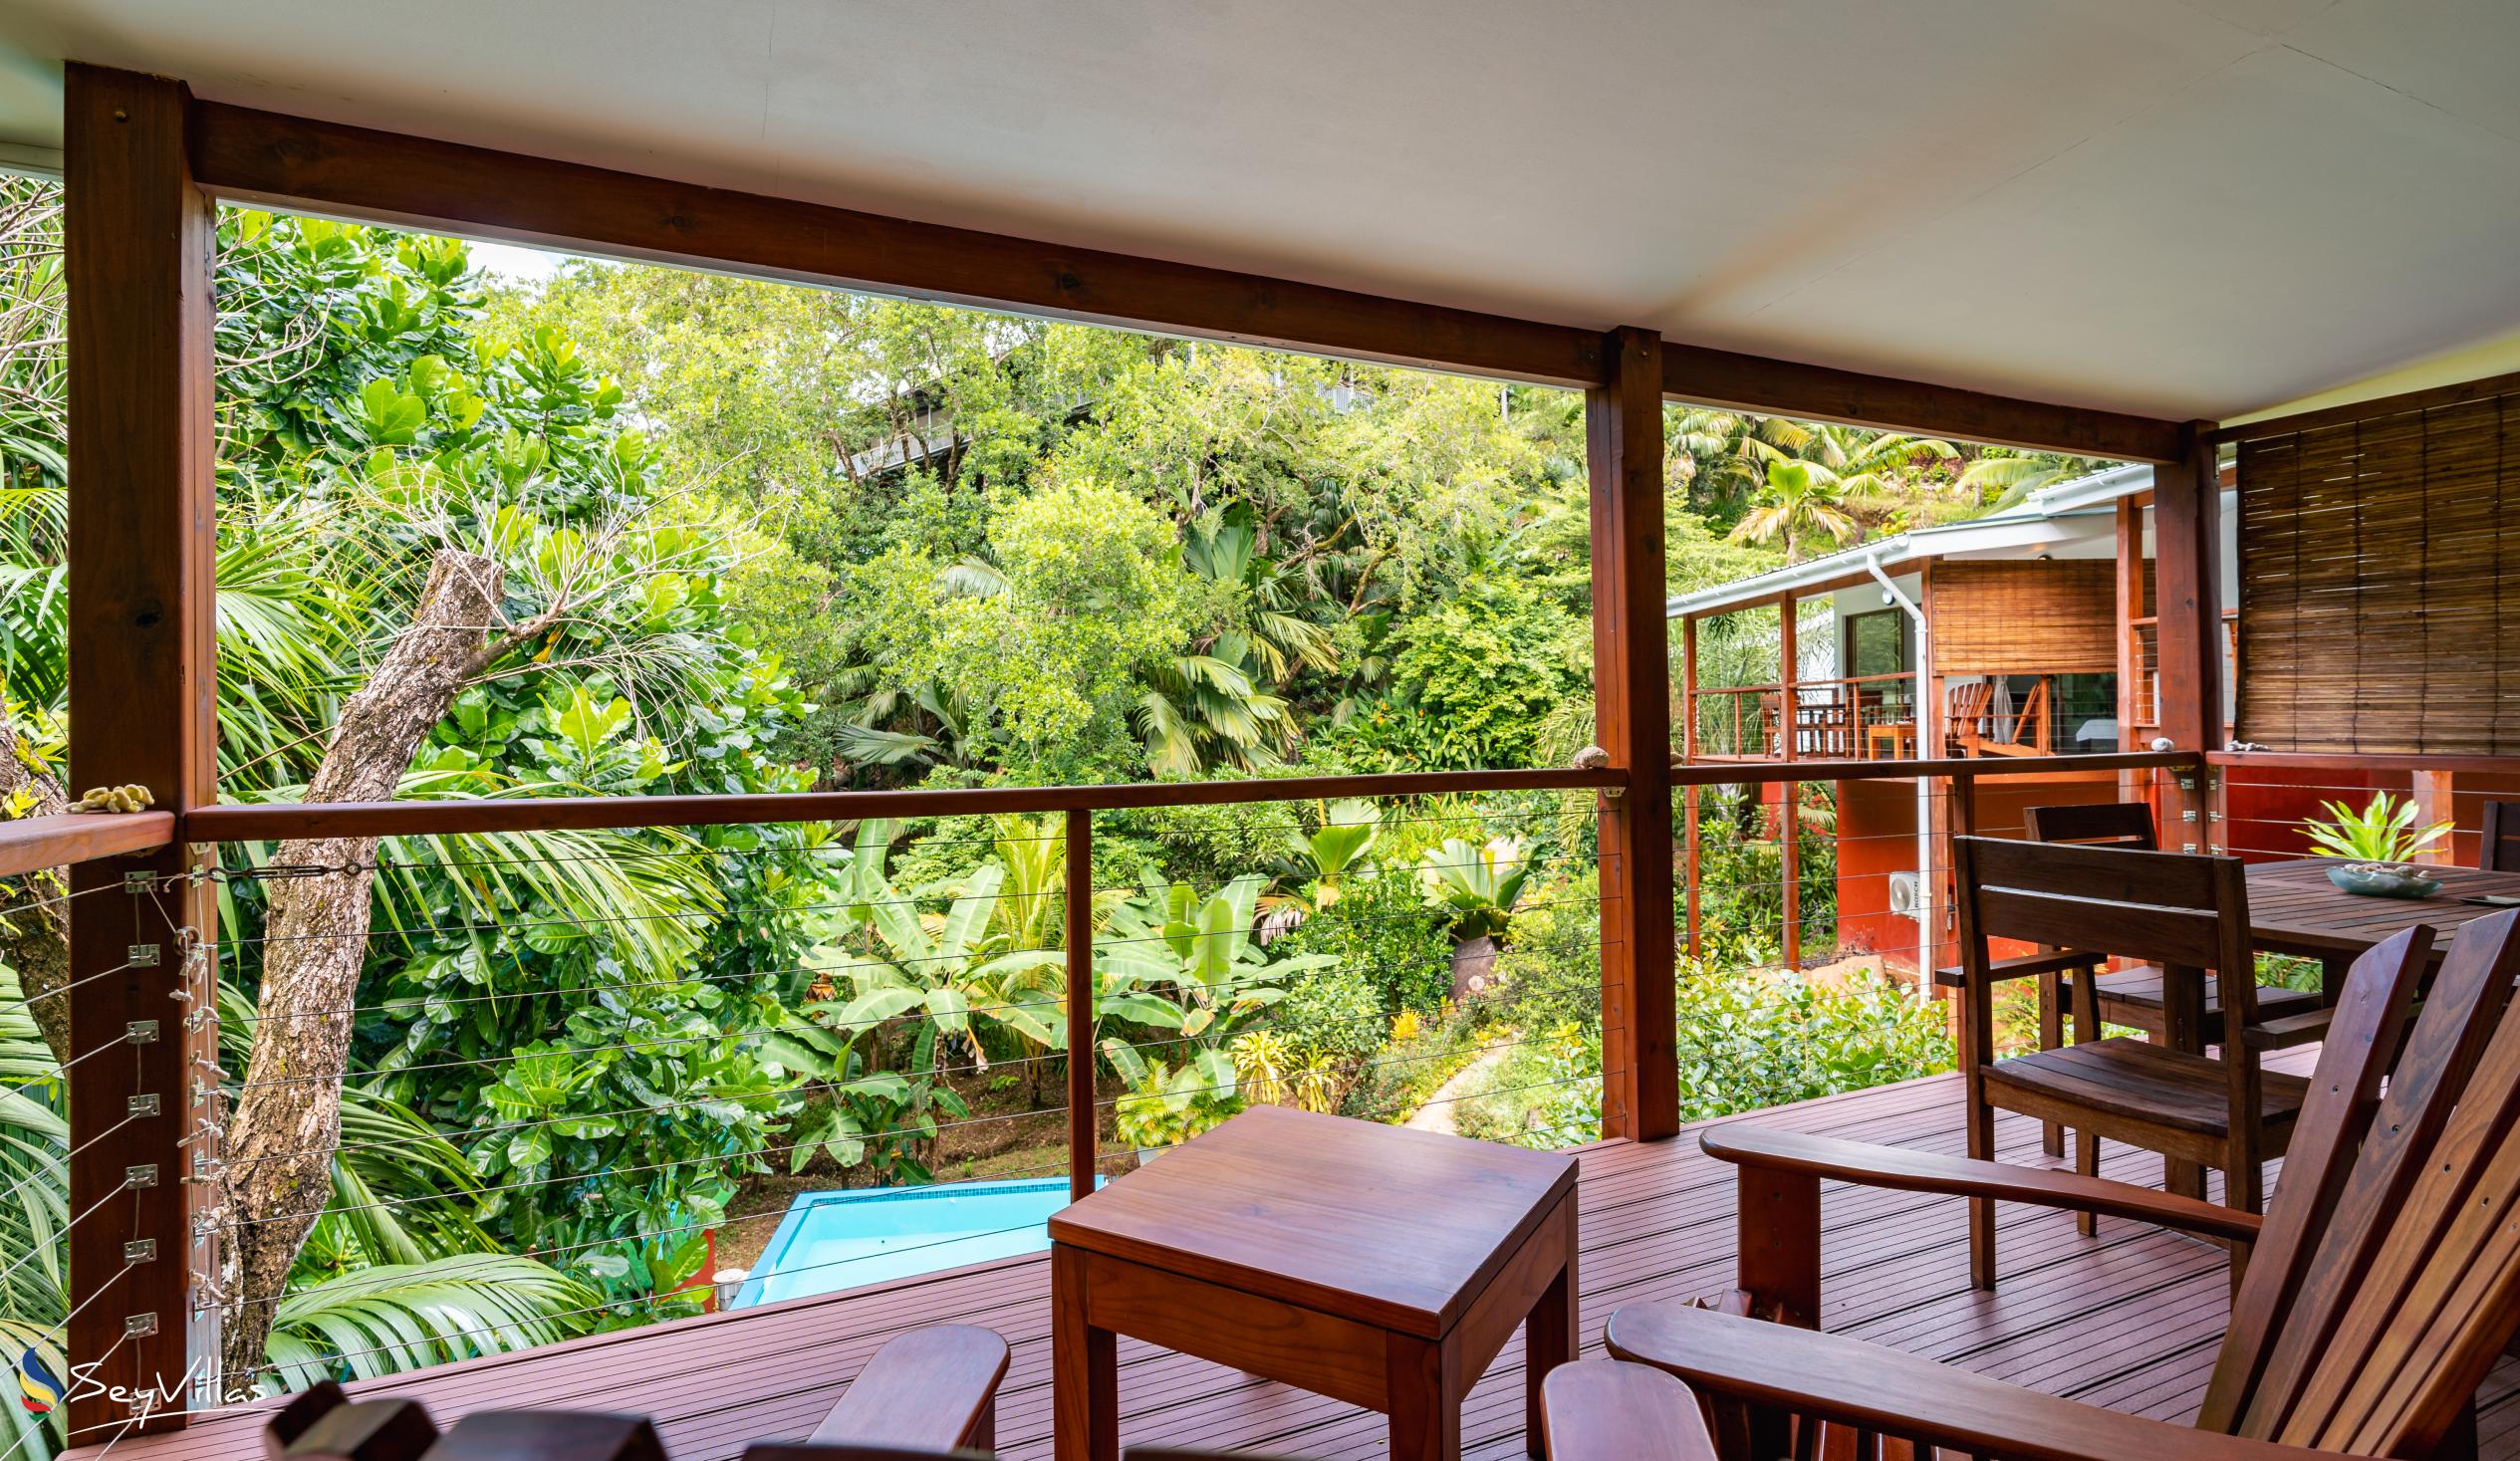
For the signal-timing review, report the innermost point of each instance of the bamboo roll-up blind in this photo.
(2376, 560)
(2024, 617)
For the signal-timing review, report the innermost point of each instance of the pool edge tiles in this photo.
(852, 1237)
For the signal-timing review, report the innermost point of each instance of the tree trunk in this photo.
(36, 943)
(277, 1171)
(1473, 965)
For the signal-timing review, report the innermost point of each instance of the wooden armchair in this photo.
(929, 1392)
(2379, 1292)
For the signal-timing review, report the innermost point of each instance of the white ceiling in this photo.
(2184, 209)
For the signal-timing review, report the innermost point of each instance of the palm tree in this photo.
(1722, 456)
(1801, 501)
(1832, 481)
(2001, 478)
(1202, 709)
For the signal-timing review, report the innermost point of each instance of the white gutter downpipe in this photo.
(1928, 733)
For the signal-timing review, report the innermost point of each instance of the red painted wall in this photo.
(1876, 835)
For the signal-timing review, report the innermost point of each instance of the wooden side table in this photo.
(1381, 1266)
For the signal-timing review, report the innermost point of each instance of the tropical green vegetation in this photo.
(752, 538)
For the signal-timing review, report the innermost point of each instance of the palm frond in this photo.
(407, 1315)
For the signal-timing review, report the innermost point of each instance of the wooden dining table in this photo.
(2295, 909)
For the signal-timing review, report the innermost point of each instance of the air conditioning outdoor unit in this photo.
(1907, 896)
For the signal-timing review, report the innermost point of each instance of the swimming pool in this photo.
(840, 1240)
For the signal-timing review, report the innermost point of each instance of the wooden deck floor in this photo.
(2129, 1318)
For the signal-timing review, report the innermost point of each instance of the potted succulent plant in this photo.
(2377, 847)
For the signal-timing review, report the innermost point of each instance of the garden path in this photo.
(1470, 1079)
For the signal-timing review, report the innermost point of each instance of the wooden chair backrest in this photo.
(2387, 1280)
(2499, 850)
(2030, 725)
(2170, 909)
(1964, 708)
(2096, 824)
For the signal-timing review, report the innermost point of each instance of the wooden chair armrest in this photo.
(933, 1387)
(1926, 1171)
(2054, 961)
(2307, 1028)
(1847, 1382)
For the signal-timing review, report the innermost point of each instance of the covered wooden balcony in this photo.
(2341, 434)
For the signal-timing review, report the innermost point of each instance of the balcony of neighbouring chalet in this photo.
(2025, 631)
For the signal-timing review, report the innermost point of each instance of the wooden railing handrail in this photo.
(1901, 676)
(2363, 761)
(259, 822)
(80, 837)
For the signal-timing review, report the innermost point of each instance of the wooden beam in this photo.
(1632, 692)
(1744, 382)
(138, 236)
(279, 160)
(2187, 613)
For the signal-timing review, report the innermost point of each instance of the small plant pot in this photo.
(2382, 880)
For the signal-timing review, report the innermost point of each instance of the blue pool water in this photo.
(840, 1240)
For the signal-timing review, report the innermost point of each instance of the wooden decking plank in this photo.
(2129, 1318)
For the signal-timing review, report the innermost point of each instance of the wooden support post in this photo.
(139, 238)
(1084, 1144)
(2434, 802)
(1790, 795)
(2131, 783)
(1688, 809)
(2186, 543)
(1688, 755)
(1632, 692)
(1688, 689)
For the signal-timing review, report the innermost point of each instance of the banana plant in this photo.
(880, 1119)
(1201, 953)
(1325, 859)
(937, 972)
(1033, 853)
